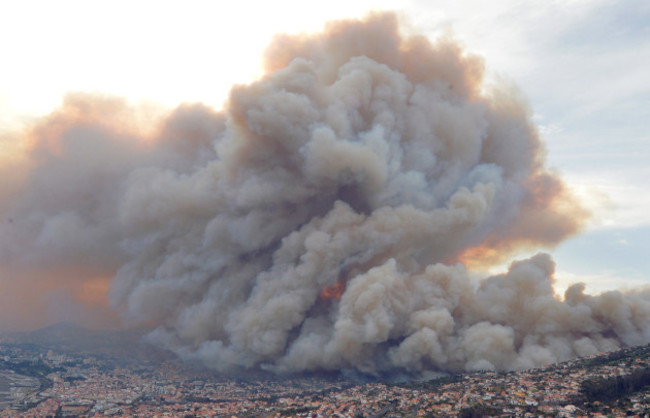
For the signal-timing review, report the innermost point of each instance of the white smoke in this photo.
(317, 223)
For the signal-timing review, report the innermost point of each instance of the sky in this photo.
(582, 64)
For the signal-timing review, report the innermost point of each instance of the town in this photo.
(57, 384)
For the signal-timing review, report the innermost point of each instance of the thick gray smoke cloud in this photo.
(317, 223)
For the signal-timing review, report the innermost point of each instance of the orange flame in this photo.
(334, 291)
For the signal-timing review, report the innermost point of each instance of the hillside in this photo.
(97, 369)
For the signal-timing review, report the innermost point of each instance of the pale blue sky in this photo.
(583, 64)
(590, 90)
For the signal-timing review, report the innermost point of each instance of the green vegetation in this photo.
(72, 379)
(616, 357)
(28, 368)
(614, 388)
(479, 411)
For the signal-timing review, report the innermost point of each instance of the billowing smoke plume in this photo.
(318, 223)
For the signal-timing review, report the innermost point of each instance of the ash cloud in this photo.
(318, 223)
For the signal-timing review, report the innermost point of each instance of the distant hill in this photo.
(118, 346)
(58, 333)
